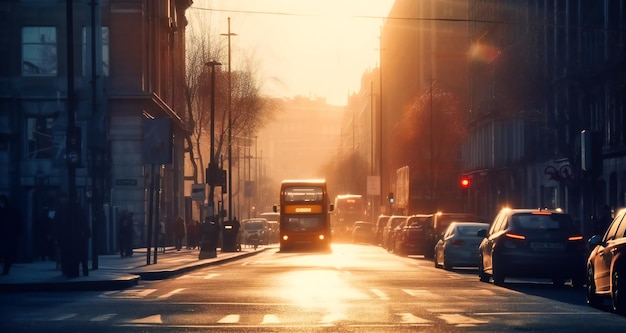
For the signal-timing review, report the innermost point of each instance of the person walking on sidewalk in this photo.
(126, 234)
(162, 236)
(179, 232)
(65, 232)
(10, 231)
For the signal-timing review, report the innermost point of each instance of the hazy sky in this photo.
(314, 48)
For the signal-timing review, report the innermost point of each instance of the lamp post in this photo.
(207, 249)
(230, 131)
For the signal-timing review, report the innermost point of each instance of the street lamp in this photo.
(230, 131)
(207, 249)
(212, 165)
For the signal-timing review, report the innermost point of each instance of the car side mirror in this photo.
(595, 240)
(331, 207)
(482, 233)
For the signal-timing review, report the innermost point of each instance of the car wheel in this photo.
(446, 264)
(436, 260)
(498, 270)
(591, 296)
(617, 293)
(482, 276)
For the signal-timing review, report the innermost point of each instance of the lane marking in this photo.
(103, 317)
(63, 317)
(229, 319)
(171, 293)
(332, 317)
(154, 319)
(461, 320)
(380, 294)
(409, 318)
(421, 293)
(270, 319)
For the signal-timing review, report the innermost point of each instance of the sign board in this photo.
(198, 192)
(373, 185)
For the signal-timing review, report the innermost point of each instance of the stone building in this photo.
(125, 61)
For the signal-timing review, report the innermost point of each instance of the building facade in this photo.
(547, 105)
(108, 69)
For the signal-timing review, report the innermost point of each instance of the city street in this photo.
(356, 288)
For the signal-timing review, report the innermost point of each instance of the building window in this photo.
(39, 51)
(39, 131)
(86, 50)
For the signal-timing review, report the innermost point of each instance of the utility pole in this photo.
(230, 130)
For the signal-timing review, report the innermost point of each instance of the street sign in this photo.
(373, 185)
(198, 192)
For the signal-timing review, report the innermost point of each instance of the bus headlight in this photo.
(285, 237)
(321, 237)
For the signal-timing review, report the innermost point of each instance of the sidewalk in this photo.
(113, 272)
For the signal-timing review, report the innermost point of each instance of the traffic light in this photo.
(465, 182)
(390, 197)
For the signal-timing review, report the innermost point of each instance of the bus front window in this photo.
(304, 223)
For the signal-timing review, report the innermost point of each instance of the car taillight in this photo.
(515, 236)
(575, 238)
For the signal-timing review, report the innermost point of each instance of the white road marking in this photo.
(171, 293)
(270, 319)
(421, 293)
(409, 318)
(380, 294)
(460, 320)
(209, 276)
(332, 317)
(229, 319)
(63, 317)
(130, 293)
(103, 317)
(155, 319)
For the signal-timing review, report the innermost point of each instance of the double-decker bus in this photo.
(349, 208)
(304, 215)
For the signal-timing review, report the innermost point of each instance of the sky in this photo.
(311, 48)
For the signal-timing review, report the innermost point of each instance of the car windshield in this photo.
(254, 225)
(469, 230)
(531, 221)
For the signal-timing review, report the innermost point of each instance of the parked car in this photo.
(438, 224)
(381, 222)
(388, 231)
(458, 247)
(363, 232)
(532, 243)
(412, 238)
(606, 265)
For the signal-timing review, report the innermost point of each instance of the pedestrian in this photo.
(126, 233)
(162, 236)
(190, 234)
(11, 225)
(179, 232)
(83, 233)
(64, 227)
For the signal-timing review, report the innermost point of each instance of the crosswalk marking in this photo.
(103, 317)
(229, 319)
(332, 317)
(64, 317)
(173, 292)
(460, 320)
(421, 293)
(409, 318)
(270, 319)
(198, 276)
(380, 294)
(129, 293)
(154, 319)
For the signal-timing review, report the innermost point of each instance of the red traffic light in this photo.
(465, 182)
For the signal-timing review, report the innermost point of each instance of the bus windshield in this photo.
(302, 223)
(304, 194)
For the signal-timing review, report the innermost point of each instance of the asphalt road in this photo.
(356, 288)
